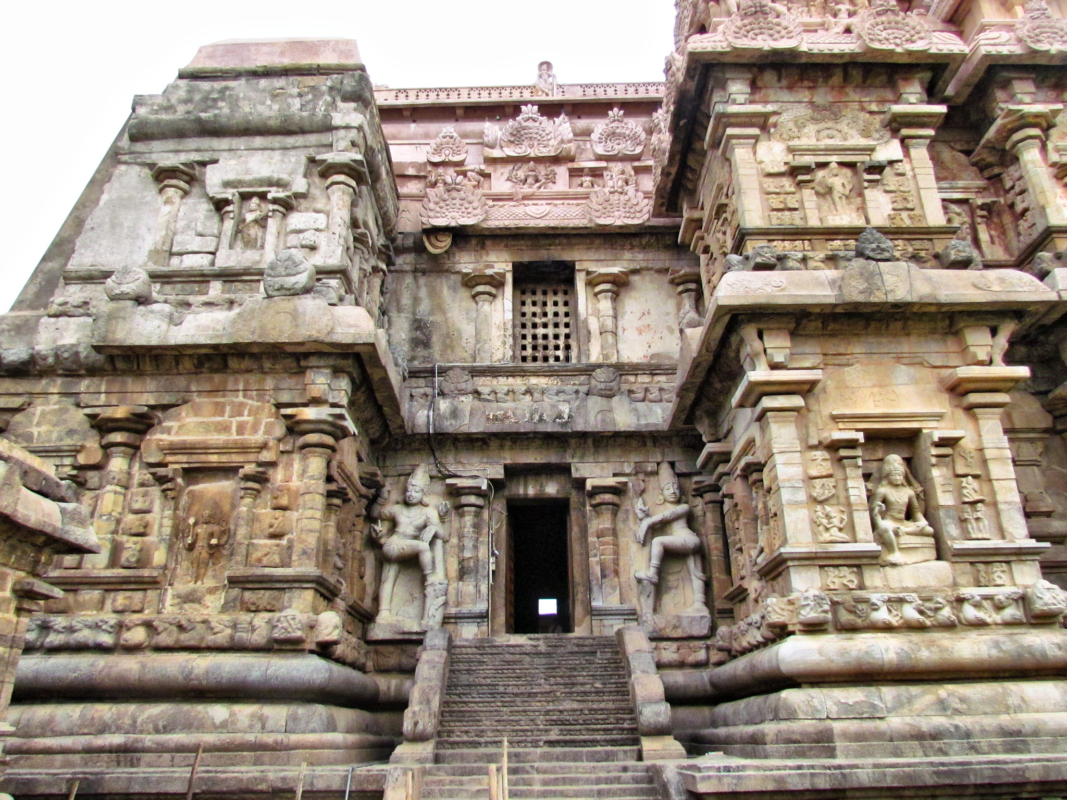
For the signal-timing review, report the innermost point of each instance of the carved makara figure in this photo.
(671, 536)
(252, 230)
(417, 533)
(896, 510)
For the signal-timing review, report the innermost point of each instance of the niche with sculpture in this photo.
(411, 531)
(672, 589)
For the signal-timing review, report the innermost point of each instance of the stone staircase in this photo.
(564, 705)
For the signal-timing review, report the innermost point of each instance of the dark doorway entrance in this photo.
(537, 571)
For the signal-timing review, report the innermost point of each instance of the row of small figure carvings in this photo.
(285, 630)
(812, 611)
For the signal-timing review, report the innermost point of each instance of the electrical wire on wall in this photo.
(444, 469)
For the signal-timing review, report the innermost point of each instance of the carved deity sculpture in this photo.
(836, 186)
(417, 533)
(671, 536)
(252, 230)
(896, 511)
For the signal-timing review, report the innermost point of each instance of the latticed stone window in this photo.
(544, 314)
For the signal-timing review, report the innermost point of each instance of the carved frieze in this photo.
(530, 135)
(763, 25)
(1039, 30)
(452, 199)
(447, 148)
(827, 123)
(618, 136)
(618, 201)
(884, 26)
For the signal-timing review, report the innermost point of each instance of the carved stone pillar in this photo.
(917, 124)
(252, 480)
(318, 429)
(334, 555)
(170, 485)
(174, 182)
(606, 284)
(605, 498)
(226, 204)
(122, 427)
(278, 206)
(716, 549)
(473, 584)
(483, 283)
(1026, 145)
(688, 287)
(739, 144)
(344, 174)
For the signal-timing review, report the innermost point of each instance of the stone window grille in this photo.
(544, 313)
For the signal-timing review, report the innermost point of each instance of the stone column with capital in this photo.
(688, 287)
(917, 125)
(606, 284)
(278, 205)
(122, 429)
(472, 590)
(716, 549)
(251, 483)
(318, 429)
(174, 182)
(484, 282)
(344, 174)
(605, 497)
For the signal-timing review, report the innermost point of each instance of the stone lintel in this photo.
(713, 454)
(616, 486)
(729, 116)
(468, 486)
(904, 421)
(914, 116)
(851, 554)
(843, 440)
(73, 579)
(998, 550)
(285, 578)
(964, 380)
(758, 384)
(483, 276)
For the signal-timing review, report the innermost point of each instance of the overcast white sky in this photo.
(72, 69)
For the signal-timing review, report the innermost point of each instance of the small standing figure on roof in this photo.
(545, 85)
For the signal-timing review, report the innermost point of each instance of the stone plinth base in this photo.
(395, 632)
(730, 778)
(153, 711)
(245, 783)
(924, 573)
(691, 625)
(902, 721)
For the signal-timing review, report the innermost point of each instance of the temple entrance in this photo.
(539, 597)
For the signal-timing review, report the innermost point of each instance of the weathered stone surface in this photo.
(767, 377)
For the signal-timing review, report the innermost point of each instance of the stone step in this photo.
(544, 768)
(532, 779)
(531, 720)
(489, 753)
(518, 733)
(543, 741)
(580, 791)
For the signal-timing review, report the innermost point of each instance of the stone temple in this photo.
(704, 438)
